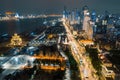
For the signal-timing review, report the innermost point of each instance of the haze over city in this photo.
(59, 40)
(56, 6)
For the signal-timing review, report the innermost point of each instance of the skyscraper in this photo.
(65, 15)
(77, 17)
(87, 24)
(93, 16)
(85, 20)
(73, 15)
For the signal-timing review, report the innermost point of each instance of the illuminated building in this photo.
(118, 44)
(76, 14)
(77, 17)
(85, 20)
(17, 15)
(93, 16)
(104, 22)
(87, 42)
(109, 71)
(87, 25)
(94, 28)
(69, 16)
(65, 13)
(93, 19)
(16, 40)
(73, 16)
(9, 14)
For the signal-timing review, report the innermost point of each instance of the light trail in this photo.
(77, 52)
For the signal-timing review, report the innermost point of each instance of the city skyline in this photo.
(59, 40)
(56, 6)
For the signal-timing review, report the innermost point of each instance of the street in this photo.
(77, 52)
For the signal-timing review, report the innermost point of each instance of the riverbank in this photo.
(26, 37)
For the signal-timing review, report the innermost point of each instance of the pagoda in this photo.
(16, 40)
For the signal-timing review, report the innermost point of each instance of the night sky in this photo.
(56, 6)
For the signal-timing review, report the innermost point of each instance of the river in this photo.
(22, 25)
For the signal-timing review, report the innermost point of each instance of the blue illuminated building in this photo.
(65, 14)
(77, 15)
(93, 16)
(73, 15)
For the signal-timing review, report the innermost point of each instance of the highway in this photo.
(77, 52)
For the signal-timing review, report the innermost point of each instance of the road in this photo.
(77, 52)
(67, 71)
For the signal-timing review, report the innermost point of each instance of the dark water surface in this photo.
(22, 25)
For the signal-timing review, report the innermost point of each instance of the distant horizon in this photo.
(57, 6)
(58, 13)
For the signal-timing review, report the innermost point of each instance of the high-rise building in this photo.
(77, 17)
(85, 8)
(94, 28)
(76, 14)
(93, 16)
(65, 14)
(69, 16)
(87, 24)
(73, 15)
(85, 20)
